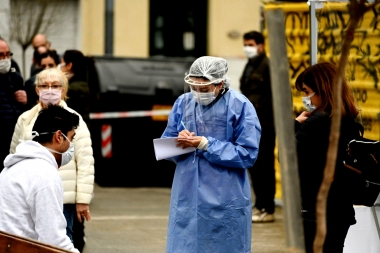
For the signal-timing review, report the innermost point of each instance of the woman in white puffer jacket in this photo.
(78, 175)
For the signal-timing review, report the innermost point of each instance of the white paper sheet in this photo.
(166, 147)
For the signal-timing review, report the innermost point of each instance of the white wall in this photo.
(235, 69)
(66, 34)
(63, 34)
(4, 17)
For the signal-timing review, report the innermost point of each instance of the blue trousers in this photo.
(70, 212)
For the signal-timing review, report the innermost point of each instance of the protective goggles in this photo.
(190, 81)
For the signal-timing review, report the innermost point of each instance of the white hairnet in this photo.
(212, 68)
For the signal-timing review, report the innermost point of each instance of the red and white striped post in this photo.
(106, 141)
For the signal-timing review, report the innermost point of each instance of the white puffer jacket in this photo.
(78, 175)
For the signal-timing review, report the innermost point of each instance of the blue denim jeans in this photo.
(69, 211)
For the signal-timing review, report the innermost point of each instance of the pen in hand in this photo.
(189, 135)
(183, 125)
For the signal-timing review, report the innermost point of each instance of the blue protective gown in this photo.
(211, 206)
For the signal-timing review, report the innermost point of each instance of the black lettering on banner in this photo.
(360, 95)
(330, 39)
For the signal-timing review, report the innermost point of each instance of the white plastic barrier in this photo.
(364, 236)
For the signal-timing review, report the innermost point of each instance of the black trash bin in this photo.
(132, 90)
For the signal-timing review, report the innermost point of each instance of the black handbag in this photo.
(362, 157)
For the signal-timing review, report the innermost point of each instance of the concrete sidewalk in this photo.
(134, 220)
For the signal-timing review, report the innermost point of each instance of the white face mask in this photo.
(250, 51)
(50, 96)
(204, 98)
(68, 155)
(5, 66)
(307, 103)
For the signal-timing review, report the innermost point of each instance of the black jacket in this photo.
(10, 109)
(79, 97)
(255, 85)
(312, 139)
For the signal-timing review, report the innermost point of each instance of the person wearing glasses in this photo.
(48, 59)
(78, 174)
(210, 205)
(12, 98)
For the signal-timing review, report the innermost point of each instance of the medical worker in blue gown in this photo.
(210, 207)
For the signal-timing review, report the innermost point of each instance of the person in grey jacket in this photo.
(31, 191)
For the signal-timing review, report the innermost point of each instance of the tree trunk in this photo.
(23, 63)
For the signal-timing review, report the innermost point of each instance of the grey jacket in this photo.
(31, 196)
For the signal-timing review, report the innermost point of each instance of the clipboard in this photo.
(166, 148)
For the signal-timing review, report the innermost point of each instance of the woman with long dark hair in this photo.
(312, 138)
(76, 66)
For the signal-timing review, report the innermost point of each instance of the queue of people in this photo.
(77, 175)
(211, 207)
(20, 108)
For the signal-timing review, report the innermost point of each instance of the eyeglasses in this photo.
(7, 55)
(53, 87)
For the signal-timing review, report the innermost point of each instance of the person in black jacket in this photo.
(76, 67)
(255, 84)
(14, 65)
(12, 98)
(312, 139)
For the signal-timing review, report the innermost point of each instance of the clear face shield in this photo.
(199, 109)
(202, 86)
